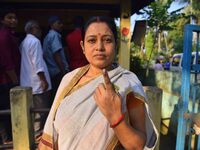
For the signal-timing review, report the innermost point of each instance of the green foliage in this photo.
(149, 43)
(136, 64)
(192, 9)
(160, 20)
(196, 5)
(175, 36)
(137, 59)
(196, 10)
(135, 49)
(158, 16)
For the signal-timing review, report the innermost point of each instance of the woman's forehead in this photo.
(98, 28)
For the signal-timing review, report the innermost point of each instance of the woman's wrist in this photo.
(117, 122)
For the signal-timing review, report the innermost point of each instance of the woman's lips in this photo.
(100, 56)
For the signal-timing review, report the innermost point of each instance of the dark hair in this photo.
(157, 61)
(6, 10)
(109, 21)
(53, 19)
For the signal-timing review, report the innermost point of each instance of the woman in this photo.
(91, 102)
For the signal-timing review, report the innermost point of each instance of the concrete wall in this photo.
(154, 95)
(170, 83)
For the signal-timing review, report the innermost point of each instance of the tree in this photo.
(159, 19)
(149, 44)
(175, 36)
(192, 10)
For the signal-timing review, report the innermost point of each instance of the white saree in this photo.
(76, 123)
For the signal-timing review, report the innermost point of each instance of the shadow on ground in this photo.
(167, 142)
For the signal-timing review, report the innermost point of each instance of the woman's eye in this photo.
(91, 41)
(108, 40)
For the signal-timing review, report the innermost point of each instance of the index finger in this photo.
(107, 81)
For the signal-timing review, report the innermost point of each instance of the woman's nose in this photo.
(100, 46)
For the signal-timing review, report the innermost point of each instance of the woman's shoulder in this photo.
(70, 74)
(77, 71)
(128, 75)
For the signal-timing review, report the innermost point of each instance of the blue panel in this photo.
(185, 88)
(196, 67)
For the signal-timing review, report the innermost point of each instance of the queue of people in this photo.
(97, 105)
(30, 63)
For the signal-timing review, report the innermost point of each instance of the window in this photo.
(176, 60)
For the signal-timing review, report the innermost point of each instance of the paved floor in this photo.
(167, 142)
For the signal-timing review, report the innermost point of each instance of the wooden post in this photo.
(154, 95)
(22, 127)
(124, 51)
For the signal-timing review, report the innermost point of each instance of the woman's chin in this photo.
(103, 66)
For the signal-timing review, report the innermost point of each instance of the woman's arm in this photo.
(131, 136)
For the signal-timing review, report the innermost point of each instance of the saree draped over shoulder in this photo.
(75, 121)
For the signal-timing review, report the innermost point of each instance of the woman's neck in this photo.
(93, 71)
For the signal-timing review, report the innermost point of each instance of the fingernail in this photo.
(104, 71)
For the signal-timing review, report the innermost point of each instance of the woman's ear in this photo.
(81, 43)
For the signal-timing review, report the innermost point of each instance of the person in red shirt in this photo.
(74, 51)
(9, 62)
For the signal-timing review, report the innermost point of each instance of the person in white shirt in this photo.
(34, 72)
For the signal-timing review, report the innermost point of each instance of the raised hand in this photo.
(108, 101)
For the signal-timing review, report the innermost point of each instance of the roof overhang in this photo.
(110, 6)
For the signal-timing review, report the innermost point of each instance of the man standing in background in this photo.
(34, 72)
(9, 64)
(74, 51)
(54, 53)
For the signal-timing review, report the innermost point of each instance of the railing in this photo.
(22, 115)
(4, 146)
(22, 119)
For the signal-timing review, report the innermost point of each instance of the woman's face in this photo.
(99, 45)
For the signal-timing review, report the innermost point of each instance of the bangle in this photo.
(120, 119)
